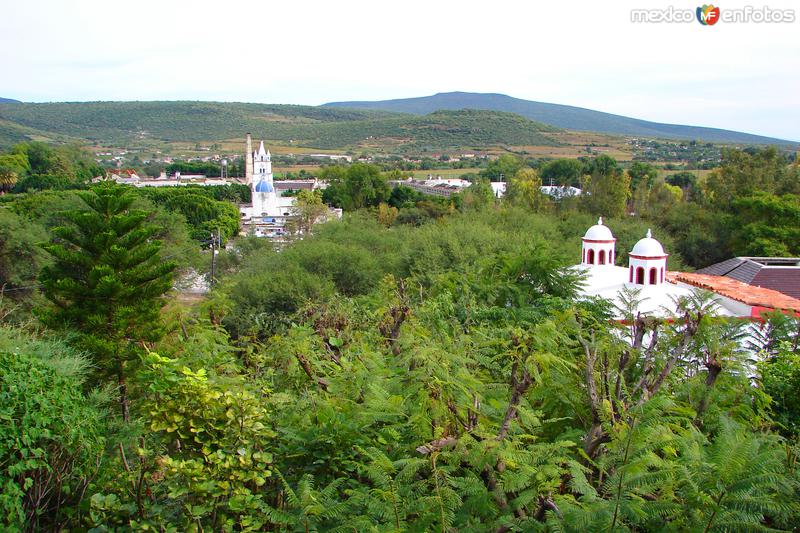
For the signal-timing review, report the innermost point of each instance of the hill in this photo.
(561, 116)
(317, 127)
(8, 101)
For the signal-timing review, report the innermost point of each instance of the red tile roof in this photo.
(778, 273)
(737, 290)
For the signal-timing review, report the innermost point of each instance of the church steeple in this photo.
(264, 197)
(262, 163)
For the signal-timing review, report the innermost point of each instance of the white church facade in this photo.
(268, 213)
(658, 289)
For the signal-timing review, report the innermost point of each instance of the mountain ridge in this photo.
(558, 115)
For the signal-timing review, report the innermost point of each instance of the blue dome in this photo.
(264, 186)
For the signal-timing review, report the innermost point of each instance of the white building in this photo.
(559, 192)
(658, 289)
(268, 212)
(498, 188)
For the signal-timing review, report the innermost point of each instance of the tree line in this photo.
(382, 378)
(432, 374)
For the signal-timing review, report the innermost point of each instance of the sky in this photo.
(739, 76)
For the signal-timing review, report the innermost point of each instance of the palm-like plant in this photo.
(307, 508)
(8, 178)
(737, 482)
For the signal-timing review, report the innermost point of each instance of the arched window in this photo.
(640, 276)
(630, 274)
(602, 258)
(590, 257)
(662, 274)
(583, 256)
(610, 257)
(653, 276)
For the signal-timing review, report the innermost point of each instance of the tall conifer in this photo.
(107, 281)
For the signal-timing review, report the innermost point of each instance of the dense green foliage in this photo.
(419, 366)
(562, 172)
(21, 259)
(185, 167)
(748, 206)
(355, 186)
(207, 209)
(607, 188)
(442, 384)
(36, 166)
(12, 133)
(503, 168)
(52, 434)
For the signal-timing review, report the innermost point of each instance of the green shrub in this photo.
(51, 433)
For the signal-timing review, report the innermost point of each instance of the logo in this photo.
(708, 15)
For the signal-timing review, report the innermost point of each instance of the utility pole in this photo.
(213, 258)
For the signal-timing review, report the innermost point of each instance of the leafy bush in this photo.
(203, 213)
(51, 433)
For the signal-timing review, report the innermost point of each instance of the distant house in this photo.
(499, 188)
(780, 274)
(439, 181)
(558, 192)
(298, 185)
(332, 157)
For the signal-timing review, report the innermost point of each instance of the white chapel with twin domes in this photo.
(646, 272)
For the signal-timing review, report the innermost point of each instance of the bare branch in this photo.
(591, 386)
(306, 366)
(437, 445)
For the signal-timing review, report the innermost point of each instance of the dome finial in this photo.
(600, 221)
(649, 234)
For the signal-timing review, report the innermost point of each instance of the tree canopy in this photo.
(424, 366)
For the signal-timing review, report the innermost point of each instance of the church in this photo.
(268, 212)
(659, 289)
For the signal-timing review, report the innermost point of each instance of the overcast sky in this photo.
(740, 76)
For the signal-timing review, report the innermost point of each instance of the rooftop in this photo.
(781, 274)
(737, 290)
(607, 282)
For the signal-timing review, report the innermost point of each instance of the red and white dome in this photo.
(599, 245)
(647, 262)
(648, 247)
(599, 232)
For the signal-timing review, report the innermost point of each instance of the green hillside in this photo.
(318, 127)
(186, 121)
(11, 133)
(442, 129)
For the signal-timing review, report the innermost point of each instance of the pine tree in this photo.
(107, 281)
